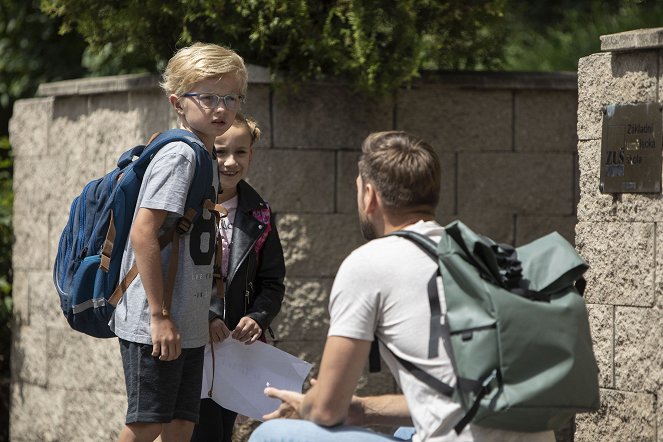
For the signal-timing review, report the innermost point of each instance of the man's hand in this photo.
(290, 403)
(218, 331)
(166, 339)
(356, 412)
(247, 331)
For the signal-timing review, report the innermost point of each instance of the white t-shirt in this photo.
(381, 288)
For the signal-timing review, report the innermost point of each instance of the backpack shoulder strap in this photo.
(374, 365)
(195, 202)
(430, 247)
(425, 243)
(430, 380)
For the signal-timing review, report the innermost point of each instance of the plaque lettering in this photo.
(631, 148)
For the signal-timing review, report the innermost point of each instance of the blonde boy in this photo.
(162, 352)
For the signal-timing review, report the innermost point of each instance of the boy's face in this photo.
(195, 114)
(234, 153)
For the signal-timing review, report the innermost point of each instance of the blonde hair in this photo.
(201, 61)
(250, 124)
(405, 170)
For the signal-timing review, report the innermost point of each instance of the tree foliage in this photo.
(552, 36)
(32, 51)
(378, 45)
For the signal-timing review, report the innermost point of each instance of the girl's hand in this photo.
(247, 331)
(218, 330)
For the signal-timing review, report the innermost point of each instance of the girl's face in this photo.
(233, 152)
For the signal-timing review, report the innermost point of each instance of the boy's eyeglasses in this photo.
(231, 102)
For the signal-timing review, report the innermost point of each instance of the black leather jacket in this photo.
(254, 286)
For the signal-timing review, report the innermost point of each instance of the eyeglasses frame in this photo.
(221, 98)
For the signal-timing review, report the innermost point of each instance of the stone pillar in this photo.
(619, 235)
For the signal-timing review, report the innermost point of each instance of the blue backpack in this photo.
(87, 266)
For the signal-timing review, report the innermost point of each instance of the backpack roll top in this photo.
(550, 263)
(87, 267)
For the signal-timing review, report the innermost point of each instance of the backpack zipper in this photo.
(467, 334)
(81, 221)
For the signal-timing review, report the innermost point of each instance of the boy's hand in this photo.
(247, 331)
(218, 331)
(166, 339)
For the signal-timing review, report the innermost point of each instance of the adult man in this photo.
(381, 290)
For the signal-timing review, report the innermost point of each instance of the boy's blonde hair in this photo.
(201, 61)
(249, 123)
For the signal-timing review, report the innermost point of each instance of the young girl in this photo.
(251, 265)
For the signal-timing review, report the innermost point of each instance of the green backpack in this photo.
(520, 338)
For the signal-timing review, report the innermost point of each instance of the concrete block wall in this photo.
(508, 147)
(620, 236)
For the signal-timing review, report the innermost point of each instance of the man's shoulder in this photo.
(379, 249)
(390, 243)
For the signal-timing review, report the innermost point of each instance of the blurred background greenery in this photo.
(377, 46)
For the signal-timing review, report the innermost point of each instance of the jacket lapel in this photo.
(245, 232)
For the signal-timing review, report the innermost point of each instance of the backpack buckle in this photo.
(184, 223)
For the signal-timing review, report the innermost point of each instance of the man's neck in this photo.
(394, 223)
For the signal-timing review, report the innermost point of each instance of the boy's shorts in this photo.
(160, 391)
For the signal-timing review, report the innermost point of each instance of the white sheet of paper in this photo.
(241, 373)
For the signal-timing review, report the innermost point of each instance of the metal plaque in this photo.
(631, 148)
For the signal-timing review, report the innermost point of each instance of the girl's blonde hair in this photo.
(251, 125)
(201, 61)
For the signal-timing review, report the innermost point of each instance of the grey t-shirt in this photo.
(165, 186)
(381, 288)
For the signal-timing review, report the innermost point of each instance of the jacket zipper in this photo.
(247, 285)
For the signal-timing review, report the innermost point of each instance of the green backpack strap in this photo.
(374, 365)
(428, 246)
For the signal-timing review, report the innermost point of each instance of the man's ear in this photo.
(370, 198)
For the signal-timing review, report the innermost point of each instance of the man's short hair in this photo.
(201, 61)
(404, 169)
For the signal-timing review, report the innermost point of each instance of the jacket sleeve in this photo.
(216, 306)
(268, 282)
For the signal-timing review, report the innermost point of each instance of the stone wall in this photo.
(620, 235)
(508, 147)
